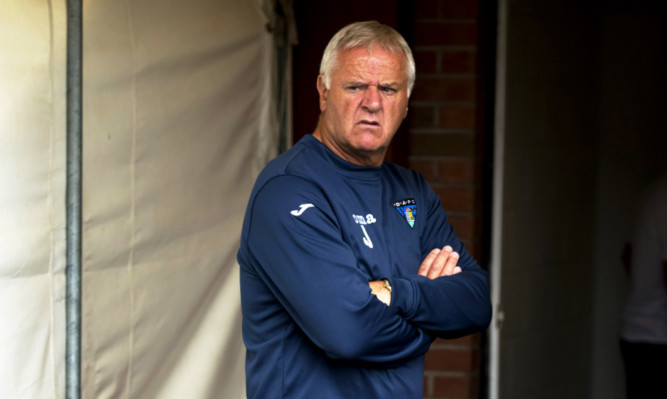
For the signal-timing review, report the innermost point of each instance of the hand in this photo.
(440, 262)
(380, 291)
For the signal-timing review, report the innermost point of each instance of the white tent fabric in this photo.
(32, 198)
(178, 118)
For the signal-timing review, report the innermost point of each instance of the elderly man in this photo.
(349, 266)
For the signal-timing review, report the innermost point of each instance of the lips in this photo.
(369, 123)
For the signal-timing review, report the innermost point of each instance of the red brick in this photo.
(421, 116)
(479, 169)
(467, 340)
(456, 171)
(457, 198)
(459, 62)
(444, 89)
(452, 387)
(474, 248)
(450, 360)
(426, 8)
(464, 225)
(460, 9)
(457, 116)
(450, 144)
(426, 168)
(426, 61)
(445, 34)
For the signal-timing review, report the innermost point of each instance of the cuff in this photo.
(403, 296)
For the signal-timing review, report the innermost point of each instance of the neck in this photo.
(371, 159)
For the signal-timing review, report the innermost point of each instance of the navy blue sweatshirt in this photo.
(317, 229)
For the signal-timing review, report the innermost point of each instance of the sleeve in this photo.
(300, 254)
(449, 306)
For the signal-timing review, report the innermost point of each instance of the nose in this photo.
(372, 101)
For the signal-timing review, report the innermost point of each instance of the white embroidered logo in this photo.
(361, 221)
(302, 209)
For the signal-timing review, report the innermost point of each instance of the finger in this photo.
(451, 264)
(457, 270)
(439, 262)
(428, 261)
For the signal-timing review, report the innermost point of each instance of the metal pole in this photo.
(497, 212)
(73, 199)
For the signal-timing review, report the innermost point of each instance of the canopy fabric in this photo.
(178, 118)
(32, 198)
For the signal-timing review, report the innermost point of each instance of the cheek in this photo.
(398, 113)
(346, 109)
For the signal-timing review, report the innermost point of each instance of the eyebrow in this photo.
(391, 85)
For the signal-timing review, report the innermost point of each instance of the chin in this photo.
(368, 147)
(369, 142)
(371, 150)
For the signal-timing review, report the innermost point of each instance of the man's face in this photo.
(365, 104)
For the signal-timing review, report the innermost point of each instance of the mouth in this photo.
(369, 123)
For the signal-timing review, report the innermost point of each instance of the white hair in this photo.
(365, 35)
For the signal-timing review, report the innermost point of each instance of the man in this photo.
(644, 330)
(349, 267)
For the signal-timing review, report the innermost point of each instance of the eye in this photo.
(387, 90)
(354, 88)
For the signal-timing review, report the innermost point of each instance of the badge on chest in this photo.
(408, 209)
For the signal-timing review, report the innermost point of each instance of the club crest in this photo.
(408, 209)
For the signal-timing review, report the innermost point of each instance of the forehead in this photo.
(371, 64)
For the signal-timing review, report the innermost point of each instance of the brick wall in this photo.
(444, 137)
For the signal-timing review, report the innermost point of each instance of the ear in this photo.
(406, 112)
(321, 88)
